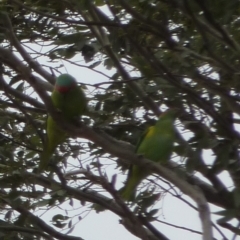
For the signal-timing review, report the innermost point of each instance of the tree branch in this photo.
(14, 41)
(103, 39)
(94, 197)
(5, 87)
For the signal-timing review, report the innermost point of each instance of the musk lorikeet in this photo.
(70, 100)
(156, 144)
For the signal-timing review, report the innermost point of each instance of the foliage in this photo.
(161, 54)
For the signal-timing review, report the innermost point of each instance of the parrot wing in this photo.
(143, 136)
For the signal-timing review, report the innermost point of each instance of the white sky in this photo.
(105, 225)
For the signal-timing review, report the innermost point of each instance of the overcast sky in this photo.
(105, 225)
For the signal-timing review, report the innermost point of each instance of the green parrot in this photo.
(70, 100)
(156, 144)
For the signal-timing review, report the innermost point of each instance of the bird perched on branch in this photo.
(70, 100)
(156, 144)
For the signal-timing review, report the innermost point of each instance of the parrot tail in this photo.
(128, 192)
(44, 159)
(135, 176)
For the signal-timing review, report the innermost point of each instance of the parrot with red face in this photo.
(70, 100)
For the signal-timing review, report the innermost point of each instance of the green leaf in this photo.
(98, 208)
(150, 215)
(41, 203)
(95, 64)
(147, 199)
(70, 38)
(59, 217)
(20, 87)
(228, 214)
(108, 64)
(20, 154)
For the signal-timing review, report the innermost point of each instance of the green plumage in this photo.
(156, 144)
(70, 100)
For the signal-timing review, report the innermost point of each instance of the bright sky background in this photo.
(105, 225)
